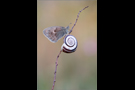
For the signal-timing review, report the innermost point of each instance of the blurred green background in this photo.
(78, 70)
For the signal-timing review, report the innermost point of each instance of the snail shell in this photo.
(70, 44)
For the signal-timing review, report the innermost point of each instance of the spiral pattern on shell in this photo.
(70, 44)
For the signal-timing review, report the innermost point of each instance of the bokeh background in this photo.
(78, 70)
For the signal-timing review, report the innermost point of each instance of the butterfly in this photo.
(55, 33)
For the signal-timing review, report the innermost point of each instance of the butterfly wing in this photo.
(55, 33)
(60, 32)
(49, 33)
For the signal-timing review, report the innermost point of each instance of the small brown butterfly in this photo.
(55, 33)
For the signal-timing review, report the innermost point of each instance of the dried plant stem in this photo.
(61, 50)
(77, 18)
(56, 69)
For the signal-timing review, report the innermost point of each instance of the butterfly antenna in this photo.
(69, 24)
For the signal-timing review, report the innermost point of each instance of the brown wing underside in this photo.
(54, 33)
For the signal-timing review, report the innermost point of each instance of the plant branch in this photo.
(77, 18)
(56, 69)
(61, 50)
